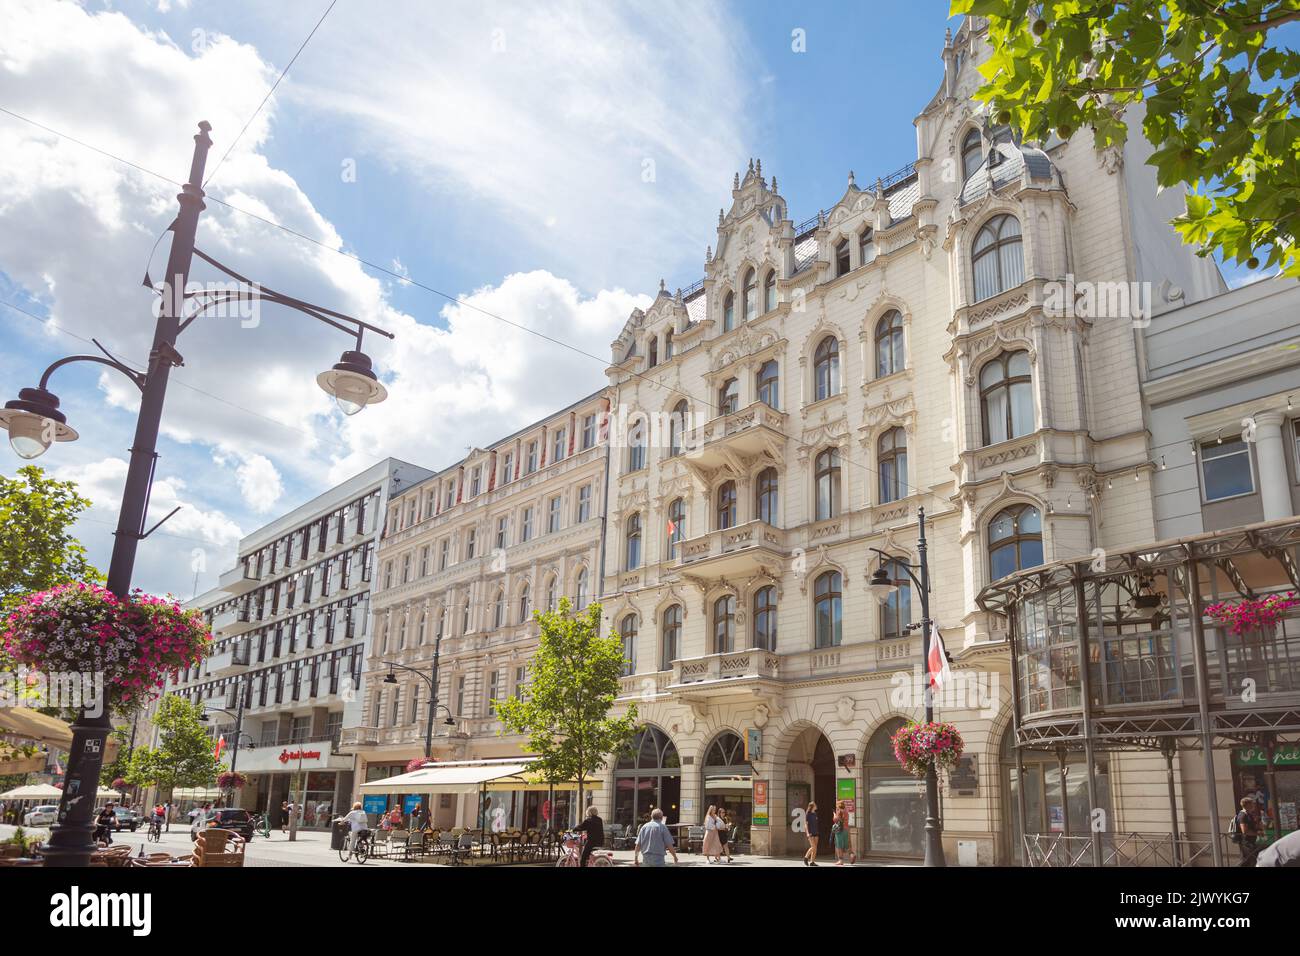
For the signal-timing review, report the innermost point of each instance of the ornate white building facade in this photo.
(946, 338)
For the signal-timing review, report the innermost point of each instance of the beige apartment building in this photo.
(951, 338)
(465, 557)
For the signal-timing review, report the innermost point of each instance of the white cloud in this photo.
(76, 227)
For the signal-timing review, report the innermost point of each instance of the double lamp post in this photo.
(34, 422)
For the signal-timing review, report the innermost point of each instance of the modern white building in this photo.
(291, 626)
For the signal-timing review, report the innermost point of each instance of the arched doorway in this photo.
(729, 782)
(647, 775)
(895, 804)
(810, 777)
(1048, 805)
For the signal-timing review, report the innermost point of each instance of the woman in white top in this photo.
(712, 848)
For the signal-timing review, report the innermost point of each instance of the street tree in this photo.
(565, 709)
(37, 550)
(184, 756)
(1218, 84)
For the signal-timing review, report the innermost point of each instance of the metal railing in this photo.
(1122, 849)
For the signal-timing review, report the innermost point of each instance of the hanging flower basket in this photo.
(416, 764)
(119, 784)
(132, 645)
(1252, 615)
(917, 746)
(231, 780)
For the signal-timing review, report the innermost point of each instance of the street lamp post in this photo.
(432, 680)
(883, 586)
(34, 422)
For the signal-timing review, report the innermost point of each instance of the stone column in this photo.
(1274, 484)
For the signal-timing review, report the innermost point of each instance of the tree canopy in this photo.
(37, 550)
(184, 755)
(1220, 95)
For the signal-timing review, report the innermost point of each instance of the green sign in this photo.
(846, 789)
(1287, 755)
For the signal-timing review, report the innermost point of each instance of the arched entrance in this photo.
(647, 775)
(895, 805)
(729, 782)
(810, 777)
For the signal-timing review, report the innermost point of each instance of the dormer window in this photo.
(751, 295)
(653, 353)
(972, 154)
(728, 313)
(842, 258)
(866, 246)
(769, 291)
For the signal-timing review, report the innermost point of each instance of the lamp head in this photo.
(353, 383)
(34, 422)
(390, 678)
(881, 585)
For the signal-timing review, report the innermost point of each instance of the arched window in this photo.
(653, 353)
(552, 593)
(769, 291)
(1015, 540)
(827, 477)
(668, 344)
(826, 368)
(751, 294)
(724, 624)
(765, 496)
(891, 463)
(627, 630)
(767, 384)
(676, 427)
(647, 776)
(636, 442)
(729, 397)
(1007, 397)
(895, 820)
(728, 312)
(866, 245)
(890, 356)
(676, 526)
(997, 258)
(632, 537)
(499, 609)
(525, 604)
(765, 618)
(842, 258)
(725, 510)
(896, 612)
(672, 637)
(828, 609)
(972, 154)
(582, 589)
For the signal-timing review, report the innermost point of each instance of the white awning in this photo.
(33, 791)
(466, 778)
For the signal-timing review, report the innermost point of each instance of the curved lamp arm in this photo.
(901, 563)
(418, 673)
(136, 377)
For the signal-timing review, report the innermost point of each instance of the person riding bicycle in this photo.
(358, 823)
(156, 820)
(594, 828)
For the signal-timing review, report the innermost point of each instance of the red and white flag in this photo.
(672, 527)
(937, 664)
(221, 745)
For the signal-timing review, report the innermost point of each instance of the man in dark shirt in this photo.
(594, 827)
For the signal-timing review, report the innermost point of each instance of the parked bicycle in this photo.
(262, 825)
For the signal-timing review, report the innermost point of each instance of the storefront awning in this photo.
(469, 777)
(27, 724)
(33, 791)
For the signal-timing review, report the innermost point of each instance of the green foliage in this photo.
(120, 766)
(184, 755)
(1220, 92)
(573, 683)
(36, 550)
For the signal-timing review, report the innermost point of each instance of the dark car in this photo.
(126, 819)
(225, 818)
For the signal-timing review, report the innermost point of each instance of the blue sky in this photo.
(493, 151)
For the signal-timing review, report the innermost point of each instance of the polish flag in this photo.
(221, 745)
(937, 663)
(672, 527)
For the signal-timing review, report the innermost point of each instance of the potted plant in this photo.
(231, 780)
(918, 746)
(132, 644)
(1252, 616)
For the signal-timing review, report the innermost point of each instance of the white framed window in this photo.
(475, 480)
(444, 554)
(584, 503)
(503, 524)
(508, 467)
(559, 444)
(526, 525)
(471, 539)
(530, 458)
(1226, 470)
(451, 494)
(494, 691)
(553, 515)
(588, 431)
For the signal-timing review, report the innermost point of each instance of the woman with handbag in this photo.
(840, 833)
(712, 848)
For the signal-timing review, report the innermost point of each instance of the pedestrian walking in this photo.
(1246, 831)
(812, 831)
(167, 817)
(724, 832)
(712, 848)
(840, 833)
(653, 841)
(285, 810)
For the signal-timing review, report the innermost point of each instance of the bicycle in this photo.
(262, 825)
(356, 845)
(571, 852)
(155, 830)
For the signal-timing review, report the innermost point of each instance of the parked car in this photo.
(225, 818)
(42, 816)
(127, 819)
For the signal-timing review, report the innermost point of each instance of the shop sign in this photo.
(410, 802)
(1286, 755)
(759, 817)
(374, 803)
(287, 755)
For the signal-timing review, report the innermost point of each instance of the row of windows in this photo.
(389, 706)
(312, 583)
(305, 679)
(355, 517)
